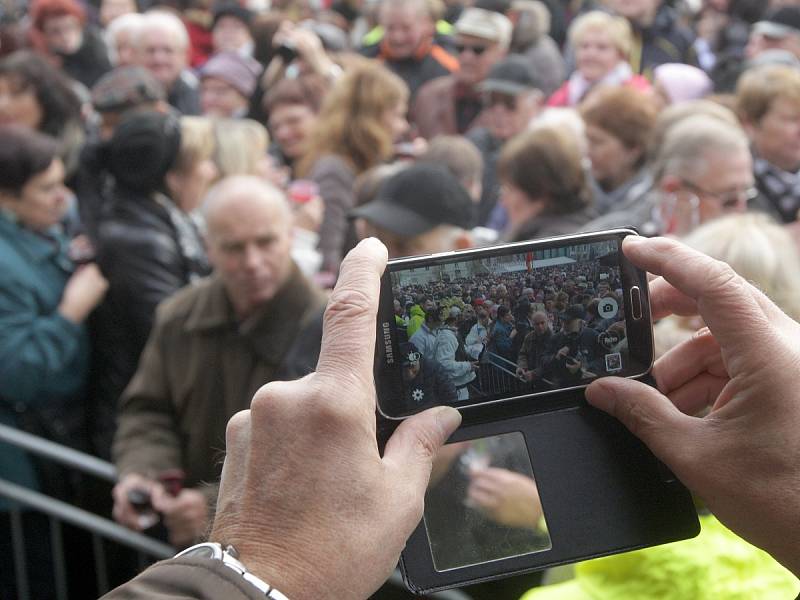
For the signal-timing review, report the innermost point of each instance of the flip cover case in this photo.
(601, 489)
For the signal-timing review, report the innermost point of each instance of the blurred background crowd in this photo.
(180, 180)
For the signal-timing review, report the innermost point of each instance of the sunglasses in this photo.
(477, 50)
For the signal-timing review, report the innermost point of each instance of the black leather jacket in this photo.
(141, 253)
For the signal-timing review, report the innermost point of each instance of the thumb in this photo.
(416, 442)
(646, 412)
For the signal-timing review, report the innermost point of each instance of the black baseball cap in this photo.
(513, 75)
(417, 199)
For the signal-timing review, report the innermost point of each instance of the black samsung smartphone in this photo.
(472, 327)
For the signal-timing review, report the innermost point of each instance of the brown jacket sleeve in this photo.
(185, 578)
(146, 441)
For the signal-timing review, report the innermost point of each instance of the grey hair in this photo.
(160, 20)
(689, 143)
(131, 22)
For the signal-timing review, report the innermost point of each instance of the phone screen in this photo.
(520, 320)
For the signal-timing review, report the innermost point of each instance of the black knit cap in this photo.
(417, 199)
(143, 148)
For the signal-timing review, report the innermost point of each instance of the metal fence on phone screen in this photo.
(497, 376)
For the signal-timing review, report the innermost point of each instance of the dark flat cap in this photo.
(125, 88)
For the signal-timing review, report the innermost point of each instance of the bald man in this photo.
(255, 320)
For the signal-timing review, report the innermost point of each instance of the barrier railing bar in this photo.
(20, 563)
(100, 563)
(58, 453)
(496, 357)
(59, 566)
(85, 520)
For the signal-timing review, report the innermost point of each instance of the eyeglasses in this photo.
(477, 50)
(493, 99)
(728, 199)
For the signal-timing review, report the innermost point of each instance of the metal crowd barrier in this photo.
(498, 375)
(59, 513)
(100, 529)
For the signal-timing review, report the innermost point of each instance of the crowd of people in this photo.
(552, 327)
(180, 181)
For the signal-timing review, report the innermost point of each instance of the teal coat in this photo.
(44, 358)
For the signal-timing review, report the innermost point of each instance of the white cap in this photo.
(485, 24)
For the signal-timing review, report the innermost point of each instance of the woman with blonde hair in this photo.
(241, 147)
(361, 118)
(602, 44)
(193, 171)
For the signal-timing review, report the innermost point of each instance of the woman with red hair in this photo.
(59, 31)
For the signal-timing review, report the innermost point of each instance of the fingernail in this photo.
(634, 239)
(448, 419)
(600, 396)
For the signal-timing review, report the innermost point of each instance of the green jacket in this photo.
(416, 317)
(44, 358)
(716, 564)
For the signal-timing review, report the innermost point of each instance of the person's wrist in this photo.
(232, 559)
(268, 559)
(72, 312)
(278, 570)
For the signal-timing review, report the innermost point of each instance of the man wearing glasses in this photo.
(453, 104)
(511, 96)
(702, 170)
(768, 102)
